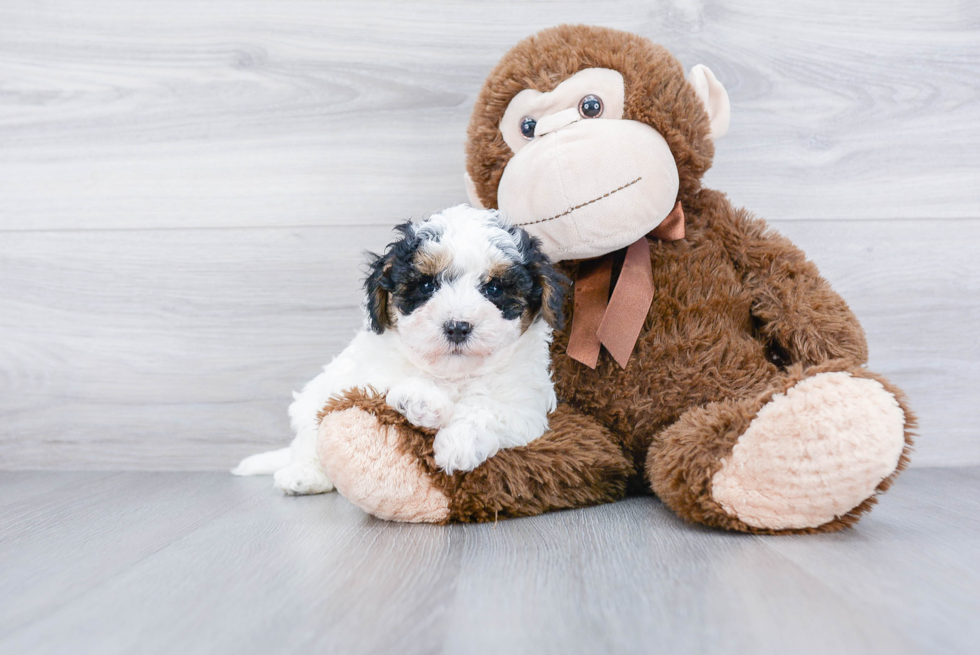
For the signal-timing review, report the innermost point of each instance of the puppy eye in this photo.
(527, 127)
(427, 286)
(590, 107)
(492, 290)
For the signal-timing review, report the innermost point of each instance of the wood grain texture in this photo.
(185, 191)
(208, 563)
(178, 349)
(109, 523)
(158, 349)
(916, 291)
(257, 113)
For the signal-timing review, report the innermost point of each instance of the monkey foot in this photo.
(813, 453)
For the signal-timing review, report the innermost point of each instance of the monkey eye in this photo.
(590, 107)
(527, 127)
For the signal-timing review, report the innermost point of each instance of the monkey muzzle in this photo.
(589, 187)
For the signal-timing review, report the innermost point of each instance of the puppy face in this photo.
(462, 284)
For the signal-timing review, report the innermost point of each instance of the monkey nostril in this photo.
(458, 331)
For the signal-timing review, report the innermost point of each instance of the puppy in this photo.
(459, 312)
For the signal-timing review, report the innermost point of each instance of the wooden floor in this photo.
(209, 563)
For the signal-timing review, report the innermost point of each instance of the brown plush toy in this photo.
(707, 361)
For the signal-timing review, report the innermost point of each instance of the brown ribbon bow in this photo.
(615, 321)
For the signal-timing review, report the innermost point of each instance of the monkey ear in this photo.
(471, 191)
(714, 96)
(378, 286)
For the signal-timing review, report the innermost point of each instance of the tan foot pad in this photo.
(813, 453)
(363, 459)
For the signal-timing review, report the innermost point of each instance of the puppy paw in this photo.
(301, 480)
(463, 446)
(423, 404)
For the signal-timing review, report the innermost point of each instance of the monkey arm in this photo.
(386, 466)
(794, 308)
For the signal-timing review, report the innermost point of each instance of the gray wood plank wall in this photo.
(186, 189)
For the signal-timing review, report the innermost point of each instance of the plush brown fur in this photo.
(738, 315)
(656, 94)
(576, 464)
(729, 299)
(684, 458)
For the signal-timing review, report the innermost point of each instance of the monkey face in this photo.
(577, 161)
(587, 137)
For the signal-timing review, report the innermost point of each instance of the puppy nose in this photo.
(458, 331)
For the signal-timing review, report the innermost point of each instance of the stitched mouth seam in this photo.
(584, 204)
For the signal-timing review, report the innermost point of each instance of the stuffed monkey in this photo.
(706, 360)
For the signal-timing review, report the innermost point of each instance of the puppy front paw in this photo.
(424, 405)
(302, 480)
(463, 446)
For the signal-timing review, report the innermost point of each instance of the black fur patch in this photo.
(549, 285)
(518, 292)
(393, 282)
(529, 287)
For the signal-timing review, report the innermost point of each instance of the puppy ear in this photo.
(382, 275)
(552, 283)
(554, 290)
(378, 286)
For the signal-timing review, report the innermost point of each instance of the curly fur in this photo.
(738, 316)
(459, 310)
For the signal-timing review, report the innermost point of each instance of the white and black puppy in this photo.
(459, 318)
